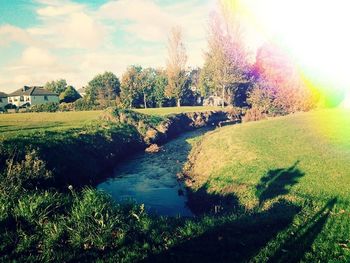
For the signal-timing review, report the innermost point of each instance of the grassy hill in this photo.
(298, 163)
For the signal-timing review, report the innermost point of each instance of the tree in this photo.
(279, 83)
(57, 86)
(69, 95)
(160, 83)
(103, 88)
(176, 63)
(130, 85)
(146, 79)
(226, 60)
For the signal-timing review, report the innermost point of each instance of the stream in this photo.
(150, 178)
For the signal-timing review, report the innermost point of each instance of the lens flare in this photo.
(314, 33)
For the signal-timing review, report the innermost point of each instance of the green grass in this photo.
(300, 161)
(279, 188)
(22, 122)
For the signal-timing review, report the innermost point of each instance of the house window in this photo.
(21, 98)
(46, 98)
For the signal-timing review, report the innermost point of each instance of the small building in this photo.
(3, 100)
(29, 96)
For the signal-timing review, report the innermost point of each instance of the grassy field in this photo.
(23, 122)
(31, 122)
(292, 169)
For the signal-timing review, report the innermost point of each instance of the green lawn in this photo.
(293, 169)
(23, 122)
(31, 122)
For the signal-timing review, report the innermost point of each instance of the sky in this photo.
(44, 40)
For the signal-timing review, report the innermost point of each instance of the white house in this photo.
(3, 100)
(32, 96)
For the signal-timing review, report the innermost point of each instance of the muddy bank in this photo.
(172, 125)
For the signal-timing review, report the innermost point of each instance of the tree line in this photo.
(268, 84)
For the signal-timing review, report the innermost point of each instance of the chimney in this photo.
(25, 88)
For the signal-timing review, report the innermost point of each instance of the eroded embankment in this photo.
(81, 156)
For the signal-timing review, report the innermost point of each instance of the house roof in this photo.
(33, 91)
(3, 95)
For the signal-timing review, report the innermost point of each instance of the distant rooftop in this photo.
(32, 91)
(3, 95)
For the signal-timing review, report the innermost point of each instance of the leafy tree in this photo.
(176, 63)
(280, 84)
(57, 86)
(160, 83)
(130, 86)
(69, 95)
(146, 83)
(226, 63)
(206, 85)
(103, 88)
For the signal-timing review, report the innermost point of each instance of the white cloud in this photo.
(34, 56)
(10, 34)
(54, 10)
(150, 22)
(75, 42)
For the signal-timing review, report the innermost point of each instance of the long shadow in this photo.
(304, 237)
(234, 238)
(278, 182)
(238, 235)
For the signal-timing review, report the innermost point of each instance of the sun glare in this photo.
(313, 32)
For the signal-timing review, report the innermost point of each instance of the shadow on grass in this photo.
(278, 182)
(238, 236)
(302, 239)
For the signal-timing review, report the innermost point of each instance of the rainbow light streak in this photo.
(314, 33)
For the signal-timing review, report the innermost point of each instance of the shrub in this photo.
(29, 173)
(66, 106)
(253, 114)
(47, 107)
(82, 104)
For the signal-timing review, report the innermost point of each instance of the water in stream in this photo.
(150, 179)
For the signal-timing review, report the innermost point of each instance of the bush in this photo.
(253, 114)
(47, 107)
(66, 106)
(82, 104)
(29, 173)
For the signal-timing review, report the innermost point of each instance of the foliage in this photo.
(47, 107)
(147, 82)
(253, 114)
(160, 84)
(130, 86)
(176, 63)
(57, 86)
(69, 95)
(103, 88)
(279, 87)
(225, 63)
(30, 173)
